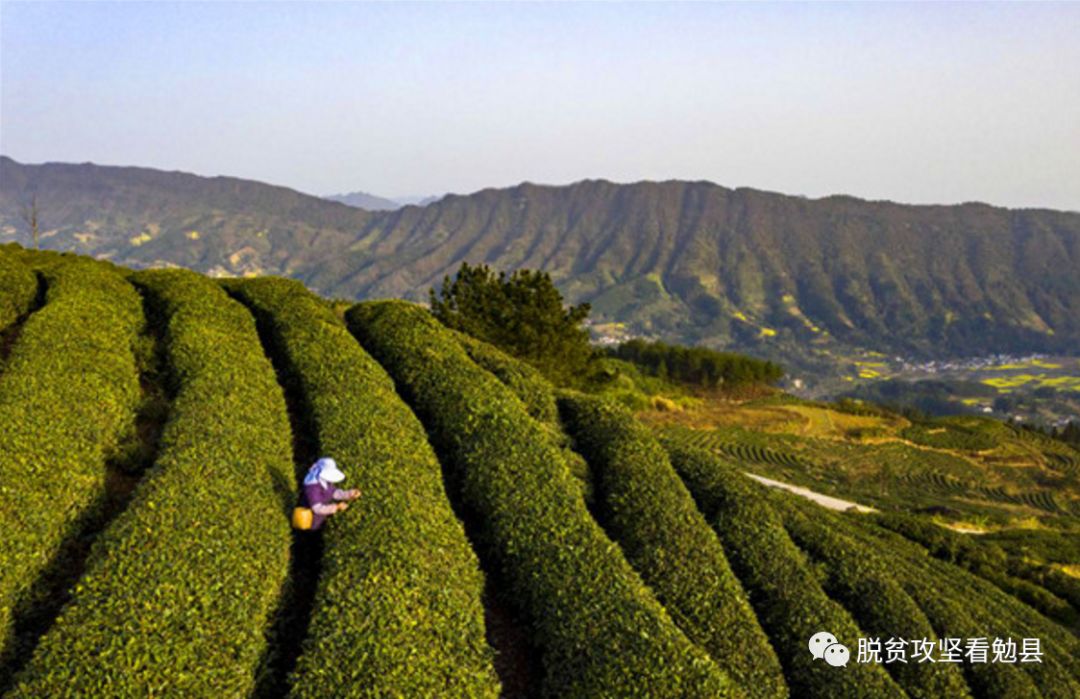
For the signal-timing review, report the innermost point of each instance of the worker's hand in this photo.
(352, 494)
(342, 506)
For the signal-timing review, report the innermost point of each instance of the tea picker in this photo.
(319, 498)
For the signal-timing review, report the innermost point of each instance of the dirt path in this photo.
(823, 500)
(964, 530)
(841, 505)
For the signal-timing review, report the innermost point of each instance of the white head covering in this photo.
(325, 470)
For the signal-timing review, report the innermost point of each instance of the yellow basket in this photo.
(301, 518)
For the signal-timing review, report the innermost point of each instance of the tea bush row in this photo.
(951, 437)
(721, 443)
(600, 631)
(862, 581)
(538, 395)
(646, 508)
(783, 589)
(397, 611)
(1034, 585)
(18, 288)
(67, 397)
(179, 590)
(946, 593)
(523, 379)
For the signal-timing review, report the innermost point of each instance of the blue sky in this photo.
(916, 103)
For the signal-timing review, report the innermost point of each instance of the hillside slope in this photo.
(785, 276)
(510, 540)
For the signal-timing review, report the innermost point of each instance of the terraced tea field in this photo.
(965, 469)
(512, 539)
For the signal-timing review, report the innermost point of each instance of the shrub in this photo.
(1060, 584)
(648, 511)
(179, 589)
(526, 382)
(985, 558)
(1036, 544)
(18, 288)
(67, 397)
(600, 631)
(998, 614)
(1035, 595)
(398, 610)
(862, 581)
(951, 617)
(938, 435)
(538, 395)
(945, 593)
(784, 591)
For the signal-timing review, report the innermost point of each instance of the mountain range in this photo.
(781, 276)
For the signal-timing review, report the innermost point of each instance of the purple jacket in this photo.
(320, 498)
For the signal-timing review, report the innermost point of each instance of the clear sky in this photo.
(916, 103)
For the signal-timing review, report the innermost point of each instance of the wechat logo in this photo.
(824, 646)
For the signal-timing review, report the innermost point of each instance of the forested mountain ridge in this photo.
(145, 217)
(687, 261)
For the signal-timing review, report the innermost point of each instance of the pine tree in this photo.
(521, 313)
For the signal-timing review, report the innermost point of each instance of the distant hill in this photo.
(370, 202)
(418, 200)
(144, 217)
(363, 200)
(780, 276)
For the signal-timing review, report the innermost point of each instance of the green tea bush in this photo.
(1062, 585)
(783, 589)
(600, 631)
(952, 437)
(1033, 594)
(862, 581)
(538, 395)
(179, 590)
(992, 612)
(952, 617)
(985, 558)
(1057, 676)
(962, 605)
(18, 288)
(523, 379)
(1037, 544)
(949, 615)
(941, 542)
(67, 398)
(398, 610)
(648, 511)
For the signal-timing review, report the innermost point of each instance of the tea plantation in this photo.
(511, 539)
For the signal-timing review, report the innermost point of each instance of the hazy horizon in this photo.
(407, 199)
(909, 103)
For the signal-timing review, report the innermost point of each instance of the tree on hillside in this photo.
(30, 217)
(521, 313)
(697, 366)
